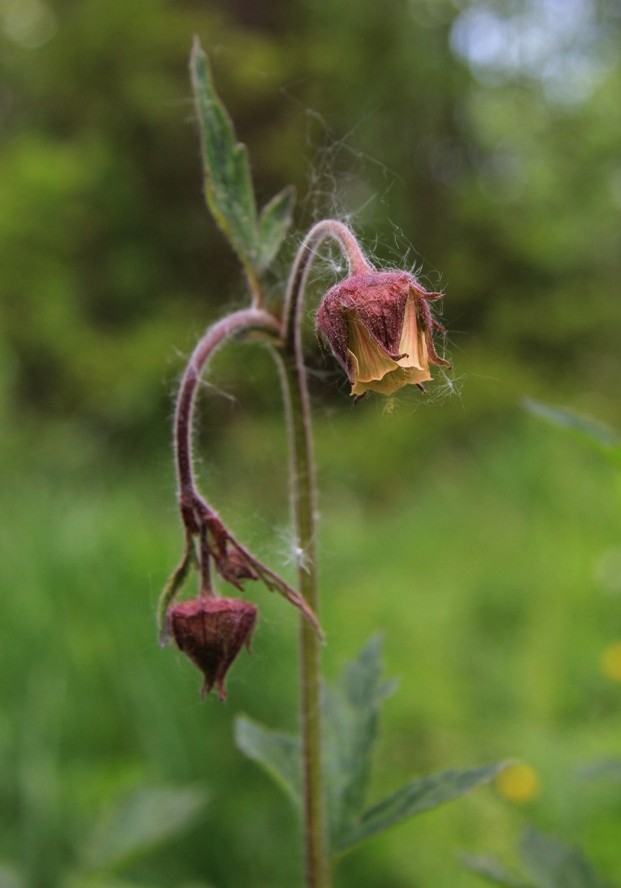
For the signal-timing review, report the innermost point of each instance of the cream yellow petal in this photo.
(375, 371)
(391, 382)
(372, 362)
(412, 343)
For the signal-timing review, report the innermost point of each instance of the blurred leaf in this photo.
(416, 797)
(274, 223)
(351, 710)
(10, 878)
(553, 864)
(606, 439)
(489, 868)
(278, 753)
(140, 823)
(228, 183)
(610, 769)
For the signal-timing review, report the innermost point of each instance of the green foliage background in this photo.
(479, 541)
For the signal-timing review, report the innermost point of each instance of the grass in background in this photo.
(486, 564)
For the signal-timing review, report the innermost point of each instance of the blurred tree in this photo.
(483, 133)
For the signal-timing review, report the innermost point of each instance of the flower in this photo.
(379, 327)
(211, 632)
(519, 783)
(611, 661)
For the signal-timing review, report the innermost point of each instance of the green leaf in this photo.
(228, 183)
(279, 754)
(606, 440)
(274, 223)
(416, 797)
(350, 712)
(139, 823)
(553, 864)
(490, 870)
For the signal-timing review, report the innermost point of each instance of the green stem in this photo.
(304, 507)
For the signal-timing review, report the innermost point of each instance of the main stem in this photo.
(303, 501)
(304, 506)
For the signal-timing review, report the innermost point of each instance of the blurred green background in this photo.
(478, 143)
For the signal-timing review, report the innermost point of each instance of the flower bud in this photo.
(379, 327)
(211, 632)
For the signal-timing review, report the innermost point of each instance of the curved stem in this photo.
(327, 229)
(240, 321)
(304, 507)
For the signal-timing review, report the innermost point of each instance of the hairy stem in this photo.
(303, 503)
(304, 506)
(240, 321)
(327, 229)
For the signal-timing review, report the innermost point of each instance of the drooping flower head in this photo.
(211, 632)
(379, 327)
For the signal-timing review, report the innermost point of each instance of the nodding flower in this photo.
(379, 327)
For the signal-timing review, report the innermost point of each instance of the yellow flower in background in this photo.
(610, 661)
(519, 783)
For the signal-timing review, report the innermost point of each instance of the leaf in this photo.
(173, 586)
(415, 797)
(228, 183)
(274, 223)
(279, 754)
(350, 711)
(606, 440)
(140, 823)
(490, 870)
(553, 864)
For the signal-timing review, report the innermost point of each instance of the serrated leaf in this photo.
(552, 864)
(228, 183)
(607, 440)
(139, 823)
(416, 797)
(490, 870)
(279, 754)
(350, 715)
(274, 222)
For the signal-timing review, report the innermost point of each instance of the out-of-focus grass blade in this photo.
(228, 183)
(603, 437)
(139, 823)
(278, 753)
